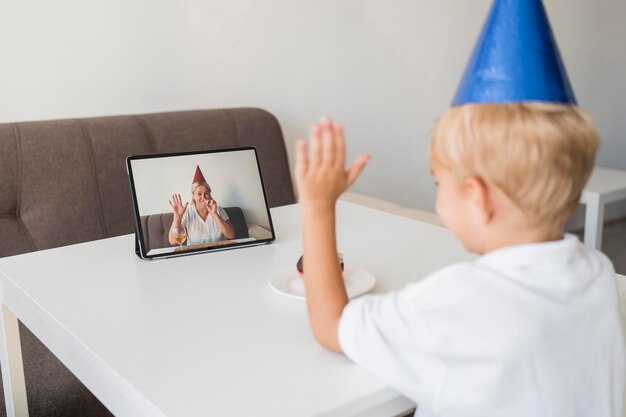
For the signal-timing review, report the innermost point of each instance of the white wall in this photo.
(233, 177)
(385, 69)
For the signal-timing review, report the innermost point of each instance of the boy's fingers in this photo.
(302, 159)
(340, 145)
(328, 142)
(315, 148)
(355, 168)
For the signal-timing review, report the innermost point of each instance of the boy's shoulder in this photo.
(451, 286)
(558, 269)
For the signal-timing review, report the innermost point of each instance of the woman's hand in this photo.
(177, 206)
(320, 170)
(225, 225)
(178, 209)
(211, 206)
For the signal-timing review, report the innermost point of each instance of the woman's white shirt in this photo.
(527, 330)
(201, 231)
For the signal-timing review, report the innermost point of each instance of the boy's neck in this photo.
(507, 225)
(501, 238)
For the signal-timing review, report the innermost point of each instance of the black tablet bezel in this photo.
(140, 244)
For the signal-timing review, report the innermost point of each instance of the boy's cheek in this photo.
(447, 212)
(439, 207)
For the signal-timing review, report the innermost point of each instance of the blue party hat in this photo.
(515, 59)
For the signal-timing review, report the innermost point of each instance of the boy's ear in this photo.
(478, 193)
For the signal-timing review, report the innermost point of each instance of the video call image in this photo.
(188, 202)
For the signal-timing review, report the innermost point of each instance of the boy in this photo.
(531, 328)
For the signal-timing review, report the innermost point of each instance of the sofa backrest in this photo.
(65, 181)
(156, 227)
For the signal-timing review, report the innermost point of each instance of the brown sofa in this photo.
(64, 182)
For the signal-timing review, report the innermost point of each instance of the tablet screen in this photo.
(198, 201)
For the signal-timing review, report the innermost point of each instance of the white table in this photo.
(605, 186)
(205, 335)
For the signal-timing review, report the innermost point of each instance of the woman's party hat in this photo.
(198, 178)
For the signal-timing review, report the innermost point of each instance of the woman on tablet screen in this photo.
(203, 219)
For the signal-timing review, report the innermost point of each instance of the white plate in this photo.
(357, 281)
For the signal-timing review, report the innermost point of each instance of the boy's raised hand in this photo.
(321, 174)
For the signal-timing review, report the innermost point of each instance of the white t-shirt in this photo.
(527, 330)
(200, 231)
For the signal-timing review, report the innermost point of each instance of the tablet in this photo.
(196, 202)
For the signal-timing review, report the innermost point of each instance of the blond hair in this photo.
(198, 184)
(539, 154)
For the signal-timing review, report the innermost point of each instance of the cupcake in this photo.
(300, 268)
